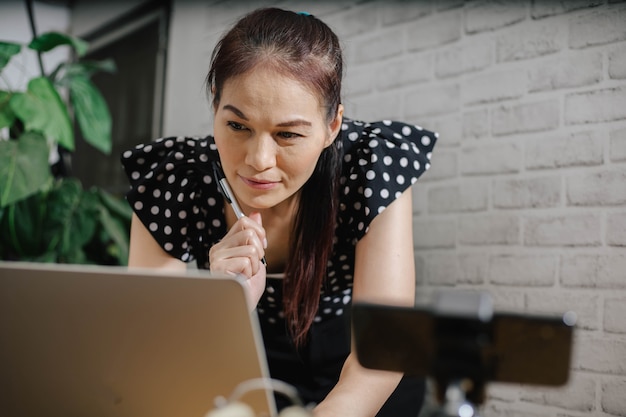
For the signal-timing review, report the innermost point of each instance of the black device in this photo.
(460, 342)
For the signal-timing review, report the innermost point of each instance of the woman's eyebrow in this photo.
(297, 122)
(290, 123)
(235, 110)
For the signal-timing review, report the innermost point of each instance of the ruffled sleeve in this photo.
(381, 160)
(173, 192)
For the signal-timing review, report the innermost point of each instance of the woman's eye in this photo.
(236, 126)
(288, 135)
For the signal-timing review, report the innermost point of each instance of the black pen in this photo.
(229, 195)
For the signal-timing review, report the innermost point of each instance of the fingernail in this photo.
(264, 243)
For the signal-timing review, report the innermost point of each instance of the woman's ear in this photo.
(335, 126)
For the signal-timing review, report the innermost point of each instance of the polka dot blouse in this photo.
(174, 194)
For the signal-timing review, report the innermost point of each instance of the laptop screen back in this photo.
(106, 341)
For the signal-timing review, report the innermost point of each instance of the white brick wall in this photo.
(526, 197)
(527, 194)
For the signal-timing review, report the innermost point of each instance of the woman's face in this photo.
(270, 131)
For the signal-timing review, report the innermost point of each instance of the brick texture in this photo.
(600, 26)
(541, 9)
(604, 105)
(467, 58)
(618, 145)
(494, 86)
(399, 11)
(613, 398)
(415, 68)
(580, 148)
(616, 229)
(527, 193)
(523, 270)
(472, 268)
(577, 70)
(586, 305)
(614, 313)
(469, 196)
(607, 355)
(439, 29)
(601, 188)
(493, 159)
(617, 63)
(566, 230)
(445, 169)
(578, 395)
(434, 234)
(476, 124)
(432, 100)
(379, 46)
(449, 129)
(594, 271)
(442, 269)
(525, 117)
(489, 230)
(530, 41)
(493, 14)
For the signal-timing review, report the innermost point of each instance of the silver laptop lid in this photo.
(108, 341)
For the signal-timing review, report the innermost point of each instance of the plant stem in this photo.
(33, 29)
(14, 238)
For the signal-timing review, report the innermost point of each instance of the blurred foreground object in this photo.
(462, 345)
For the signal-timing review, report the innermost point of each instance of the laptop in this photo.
(95, 341)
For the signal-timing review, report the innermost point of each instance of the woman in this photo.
(327, 199)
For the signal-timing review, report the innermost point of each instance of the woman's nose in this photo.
(261, 152)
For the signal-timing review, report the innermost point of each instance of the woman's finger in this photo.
(234, 255)
(247, 223)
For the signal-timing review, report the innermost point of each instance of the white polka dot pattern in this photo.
(175, 196)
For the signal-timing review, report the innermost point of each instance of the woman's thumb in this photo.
(256, 216)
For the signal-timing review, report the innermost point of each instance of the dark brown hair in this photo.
(304, 48)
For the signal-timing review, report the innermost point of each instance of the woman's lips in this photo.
(259, 184)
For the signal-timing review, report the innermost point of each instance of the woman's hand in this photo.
(240, 252)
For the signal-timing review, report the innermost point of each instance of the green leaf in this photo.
(68, 225)
(82, 68)
(7, 50)
(115, 215)
(118, 207)
(7, 117)
(92, 113)
(3, 237)
(21, 228)
(88, 68)
(42, 110)
(47, 257)
(113, 230)
(76, 256)
(71, 220)
(50, 40)
(24, 167)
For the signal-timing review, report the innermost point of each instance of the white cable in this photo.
(267, 384)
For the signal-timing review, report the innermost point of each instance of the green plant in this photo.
(46, 217)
